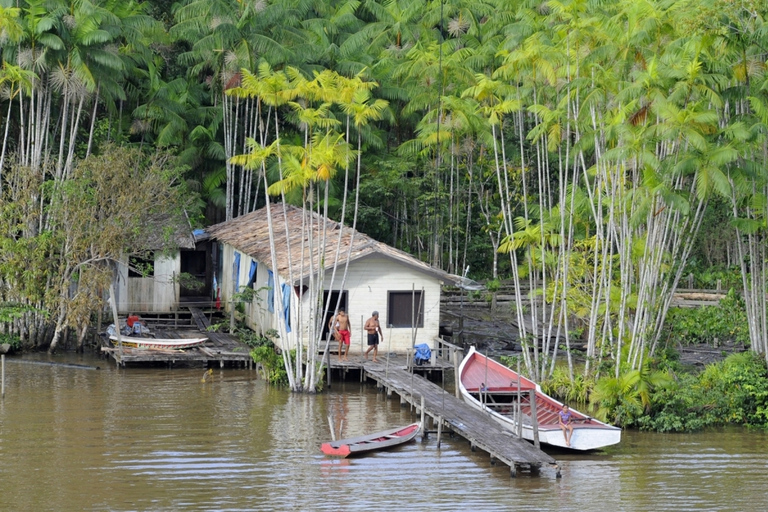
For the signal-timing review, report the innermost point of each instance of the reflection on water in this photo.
(156, 439)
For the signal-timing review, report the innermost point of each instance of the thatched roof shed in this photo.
(169, 231)
(250, 234)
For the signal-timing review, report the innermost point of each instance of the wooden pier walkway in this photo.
(446, 410)
(477, 427)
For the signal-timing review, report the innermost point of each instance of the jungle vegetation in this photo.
(593, 151)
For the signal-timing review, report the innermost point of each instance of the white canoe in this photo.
(491, 387)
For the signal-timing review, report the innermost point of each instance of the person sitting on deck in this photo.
(566, 424)
(135, 323)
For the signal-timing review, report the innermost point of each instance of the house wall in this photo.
(368, 284)
(158, 293)
(257, 316)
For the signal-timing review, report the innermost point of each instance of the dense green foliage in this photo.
(12, 340)
(713, 325)
(665, 396)
(731, 392)
(595, 153)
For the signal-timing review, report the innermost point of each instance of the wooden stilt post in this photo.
(456, 372)
(412, 398)
(389, 348)
(534, 420)
(439, 430)
(330, 424)
(113, 301)
(519, 404)
(423, 423)
(442, 375)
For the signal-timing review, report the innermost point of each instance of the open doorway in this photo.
(195, 265)
(333, 297)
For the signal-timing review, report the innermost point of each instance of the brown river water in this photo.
(76, 439)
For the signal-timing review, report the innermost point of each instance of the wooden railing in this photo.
(448, 352)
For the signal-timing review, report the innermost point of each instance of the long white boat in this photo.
(494, 388)
(159, 343)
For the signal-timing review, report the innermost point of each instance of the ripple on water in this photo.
(163, 440)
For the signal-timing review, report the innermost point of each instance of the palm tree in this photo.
(17, 81)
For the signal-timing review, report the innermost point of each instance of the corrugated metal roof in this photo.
(249, 234)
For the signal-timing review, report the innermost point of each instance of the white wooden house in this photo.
(152, 285)
(379, 277)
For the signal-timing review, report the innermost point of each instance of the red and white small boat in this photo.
(371, 442)
(159, 343)
(494, 388)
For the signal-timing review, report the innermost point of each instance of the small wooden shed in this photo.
(404, 290)
(152, 284)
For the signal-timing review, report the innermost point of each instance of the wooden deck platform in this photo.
(221, 348)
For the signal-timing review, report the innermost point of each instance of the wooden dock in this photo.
(393, 373)
(221, 349)
(447, 412)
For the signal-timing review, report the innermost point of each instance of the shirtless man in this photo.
(341, 328)
(373, 327)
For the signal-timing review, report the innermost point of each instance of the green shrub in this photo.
(561, 387)
(271, 363)
(13, 340)
(733, 391)
(253, 339)
(726, 322)
(708, 277)
(624, 399)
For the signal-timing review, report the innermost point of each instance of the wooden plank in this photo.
(200, 319)
(206, 351)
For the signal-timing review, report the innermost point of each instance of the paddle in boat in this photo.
(159, 343)
(371, 442)
(490, 386)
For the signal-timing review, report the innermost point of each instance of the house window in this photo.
(402, 307)
(139, 267)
